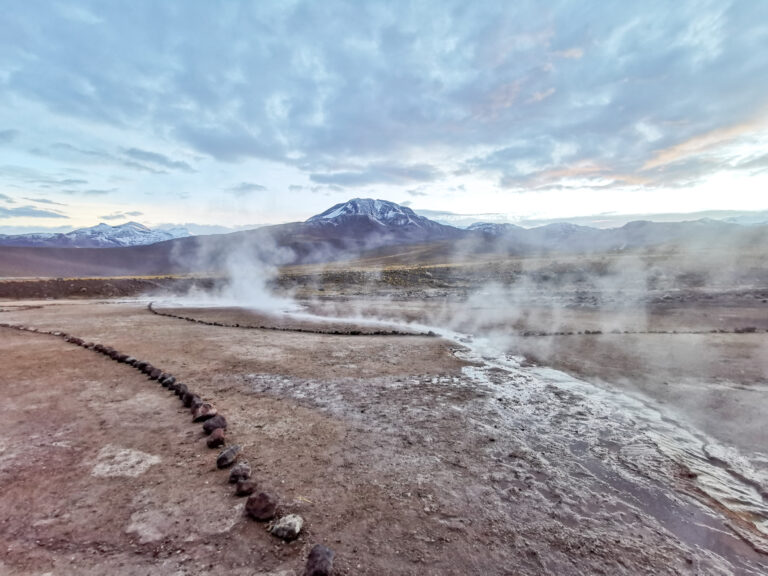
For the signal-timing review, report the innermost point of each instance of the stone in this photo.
(288, 527)
(215, 423)
(187, 398)
(114, 354)
(245, 488)
(147, 368)
(216, 439)
(194, 402)
(167, 380)
(155, 373)
(228, 456)
(240, 472)
(203, 412)
(319, 561)
(181, 390)
(141, 365)
(130, 360)
(122, 358)
(262, 507)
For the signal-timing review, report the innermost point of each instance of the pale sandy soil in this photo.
(407, 455)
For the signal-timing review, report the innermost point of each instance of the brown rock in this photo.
(203, 412)
(215, 423)
(261, 507)
(240, 472)
(190, 397)
(228, 456)
(245, 488)
(216, 439)
(319, 561)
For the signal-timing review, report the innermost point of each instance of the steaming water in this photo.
(644, 437)
(625, 442)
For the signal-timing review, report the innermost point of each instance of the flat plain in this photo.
(562, 431)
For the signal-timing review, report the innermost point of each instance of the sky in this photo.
(225, 113)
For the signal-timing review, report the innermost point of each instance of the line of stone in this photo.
(536, 333)
(260, 506)
(430, 333)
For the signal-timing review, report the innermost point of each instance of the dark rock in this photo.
(228, 456)
(122, 358)
(141, 365)
(114, 354)
(215, 423)
(288, 527)
(261, 507)
(155, 374)
(216, 439)
(203, 412)
(245, 488)
(131, 361)
(240, 472)
(181, 390)
(319, 561)
(167, 380)
(147, 368)
(188, 397)
(194, 402)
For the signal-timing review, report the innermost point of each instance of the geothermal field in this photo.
(418, 419)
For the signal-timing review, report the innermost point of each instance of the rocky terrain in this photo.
(404, 455)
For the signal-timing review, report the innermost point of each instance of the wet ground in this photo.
(407, 455)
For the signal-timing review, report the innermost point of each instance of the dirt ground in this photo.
(406, 455)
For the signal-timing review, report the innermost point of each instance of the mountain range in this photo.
(99, 236)
(344, 231)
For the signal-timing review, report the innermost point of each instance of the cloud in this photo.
(65, 151)
(44, 201)
(245, 188)
(369, 93)
(90, 191)
(570, 53)
(7, 199)
(121, 215)
(379, 174)
(157, 159)
(539, 96)
(29, 212)
(8, 136)
(700, 143)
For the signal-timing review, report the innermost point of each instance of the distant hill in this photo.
(359, 227)
(99, 236)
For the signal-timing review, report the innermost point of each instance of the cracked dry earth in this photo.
(408, 455)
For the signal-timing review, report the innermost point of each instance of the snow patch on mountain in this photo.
(382, 212)
(99, 236)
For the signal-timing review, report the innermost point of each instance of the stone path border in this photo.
(262, 507)
(430, 333)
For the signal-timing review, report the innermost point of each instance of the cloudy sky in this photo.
(242, 113)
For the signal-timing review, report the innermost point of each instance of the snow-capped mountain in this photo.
(493, 228)
(380, 212)
(377, 222)
(99, 236)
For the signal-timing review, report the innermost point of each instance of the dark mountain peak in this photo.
(388, 214)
